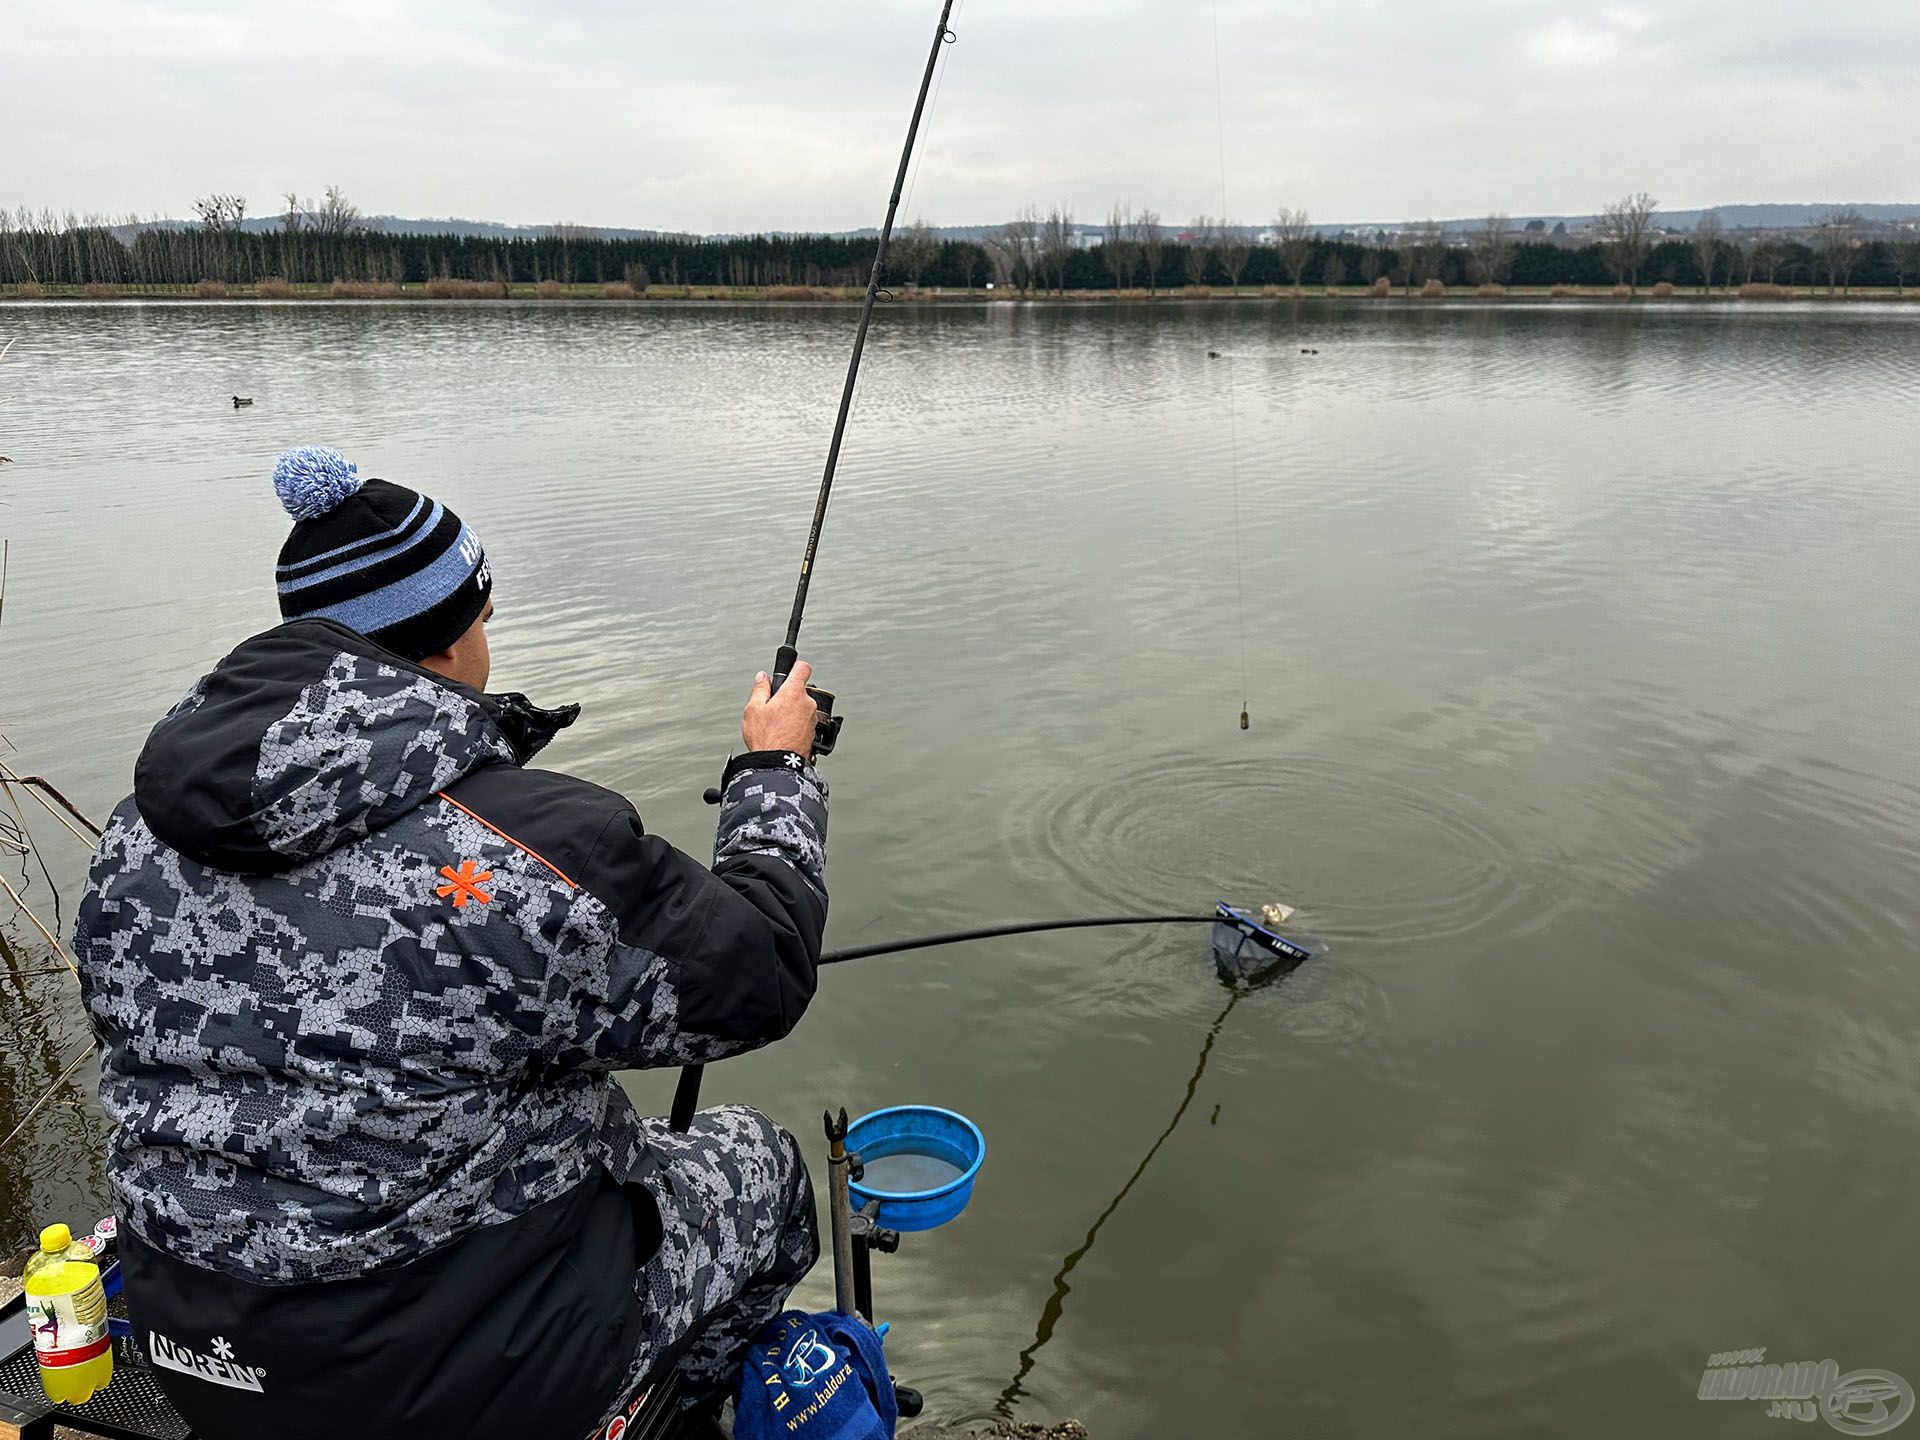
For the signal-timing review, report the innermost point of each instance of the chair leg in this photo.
(25, 1418)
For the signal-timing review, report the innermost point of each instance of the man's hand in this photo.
(783, 721)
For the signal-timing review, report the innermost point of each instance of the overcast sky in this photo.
(747, 114)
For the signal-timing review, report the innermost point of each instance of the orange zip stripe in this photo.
(572, 884)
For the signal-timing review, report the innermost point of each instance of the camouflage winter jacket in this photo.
(360, 979)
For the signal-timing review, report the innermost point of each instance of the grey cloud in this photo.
(755, 114)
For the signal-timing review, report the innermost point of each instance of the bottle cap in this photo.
(55, 1239)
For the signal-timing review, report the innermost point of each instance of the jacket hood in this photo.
(307, 737)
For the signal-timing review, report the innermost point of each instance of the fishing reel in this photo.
(826, 724)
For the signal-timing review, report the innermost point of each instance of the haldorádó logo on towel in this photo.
(815, 1377)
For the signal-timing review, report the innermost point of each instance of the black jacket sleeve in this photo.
(704, 963)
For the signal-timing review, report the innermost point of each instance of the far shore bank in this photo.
(614, 294)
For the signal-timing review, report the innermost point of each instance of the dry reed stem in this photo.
(446, 288)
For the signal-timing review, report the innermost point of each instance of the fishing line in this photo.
(1233, 429)
(933, 105)
(1057, 1301)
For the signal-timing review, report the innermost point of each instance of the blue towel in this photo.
(815, 1377)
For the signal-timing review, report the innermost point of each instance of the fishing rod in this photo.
(994, 932)
(826, 726)
(1247, 949)
(1255, 933)
(784, 659)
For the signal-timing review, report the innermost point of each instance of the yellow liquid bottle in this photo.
(68, 1312)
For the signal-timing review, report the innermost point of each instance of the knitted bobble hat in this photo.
(396, 565)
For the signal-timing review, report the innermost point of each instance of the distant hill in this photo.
(1734, 217)
(401, 225)
(398, 225)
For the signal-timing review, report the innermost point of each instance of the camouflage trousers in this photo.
(736, 1212)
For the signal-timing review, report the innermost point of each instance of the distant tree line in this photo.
(329, 241)
(1139, 250)
(1315, 262)
(318, 242)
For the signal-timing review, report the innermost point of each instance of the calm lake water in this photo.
(1580, 646)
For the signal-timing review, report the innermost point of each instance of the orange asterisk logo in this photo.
(464, 884)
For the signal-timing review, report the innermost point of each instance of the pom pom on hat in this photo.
(312, 479)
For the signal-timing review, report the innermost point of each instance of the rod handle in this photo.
(686, 1099)
(826, 726)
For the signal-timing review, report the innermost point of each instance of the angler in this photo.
(361, 979)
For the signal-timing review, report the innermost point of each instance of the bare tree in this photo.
(916, 248)
(337, 215)
(1199, 249)
(220, 219)
(1334, 272)
(1056, 244)
(1430, 245)
(1904, 253)
(1763, 256)
(1293, 238)
(1706, 247)
(1492, 250)
(1839, 235)
(221, 212)
(1016, 249)
(1626, 229)
(1119, 248)
(1233, 250)
(1150, 242)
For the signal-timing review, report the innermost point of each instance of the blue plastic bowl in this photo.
(918, 1130)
